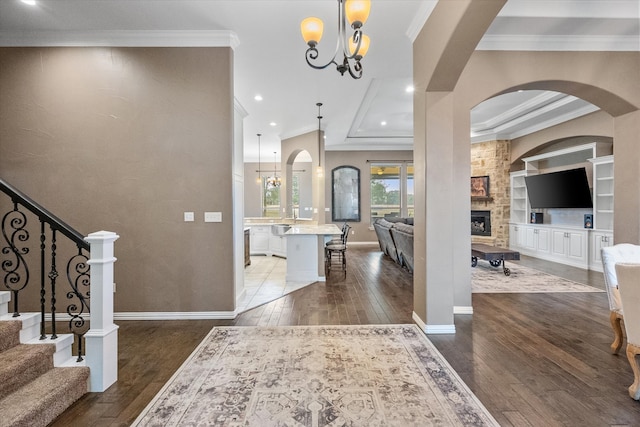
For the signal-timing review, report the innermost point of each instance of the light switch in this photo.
(213, 217)
(189, 217)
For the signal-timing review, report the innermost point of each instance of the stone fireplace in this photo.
(481, 223)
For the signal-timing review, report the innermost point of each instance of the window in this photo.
(270, 199)
(392, 190)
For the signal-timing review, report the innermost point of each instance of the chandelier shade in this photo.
(357, 12)
(312, 29)
(364, 47)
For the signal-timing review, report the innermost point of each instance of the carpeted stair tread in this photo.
(9, 334)
(44, 399)
(22, 364)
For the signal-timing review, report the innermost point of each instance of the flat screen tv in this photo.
(564, 189)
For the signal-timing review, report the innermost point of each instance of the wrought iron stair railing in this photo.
(19, 261)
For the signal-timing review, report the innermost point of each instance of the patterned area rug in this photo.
(488, 279)
(316, 376)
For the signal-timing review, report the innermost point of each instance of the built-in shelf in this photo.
(566, 243)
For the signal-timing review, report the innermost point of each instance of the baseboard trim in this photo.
(418, 321)
(433, 329)
(440, 329)
(462, 309)
(177, 315)
(372, 243)
(154, 315)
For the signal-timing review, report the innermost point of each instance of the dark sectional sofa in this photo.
(395, 236)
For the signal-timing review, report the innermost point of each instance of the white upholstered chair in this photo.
(626, 253)
(629, 286)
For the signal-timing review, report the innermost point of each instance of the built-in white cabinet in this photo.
(558, 244)
(536, 239)
(515, 238)
(570, 246)
(603, 192)
(519, 202)
(260, 235)
(567, 241)
(599, 239)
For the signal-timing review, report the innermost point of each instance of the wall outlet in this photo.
(189, 217)
(353, 232)
(114, 288)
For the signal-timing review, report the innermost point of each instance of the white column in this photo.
(102, 338)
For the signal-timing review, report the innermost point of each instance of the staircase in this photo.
(39, 379)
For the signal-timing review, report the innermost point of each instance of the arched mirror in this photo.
(345, 194)
(300, 197)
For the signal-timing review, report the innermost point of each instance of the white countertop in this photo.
(325, 229)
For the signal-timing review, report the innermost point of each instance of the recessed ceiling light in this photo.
(272, 123)
(383, 123)
(29, 2)
(409, 89)
(258, 97)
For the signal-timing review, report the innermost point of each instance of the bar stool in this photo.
(339, 249)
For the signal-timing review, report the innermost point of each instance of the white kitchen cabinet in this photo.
(278, 245)
(260, 235)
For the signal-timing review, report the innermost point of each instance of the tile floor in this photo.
(264, 281)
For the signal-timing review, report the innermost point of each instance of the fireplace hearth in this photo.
(481, 223)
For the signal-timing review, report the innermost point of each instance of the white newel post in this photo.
(102, 338)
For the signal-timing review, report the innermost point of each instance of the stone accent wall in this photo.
(493, 158)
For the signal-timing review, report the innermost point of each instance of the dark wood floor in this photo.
(532, 359)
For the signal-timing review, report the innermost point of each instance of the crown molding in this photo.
(110, 38)
(560, 43)
(495, 134)
(373, 144)
(523, 109)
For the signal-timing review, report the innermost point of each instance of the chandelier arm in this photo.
(357, 39)
(358, 70)
(312, 54)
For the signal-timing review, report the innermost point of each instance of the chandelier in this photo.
(274, 181)
(353, 48)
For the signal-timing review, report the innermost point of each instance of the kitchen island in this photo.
(305, 251)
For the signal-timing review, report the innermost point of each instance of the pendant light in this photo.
(274, 181)
(259, 179)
